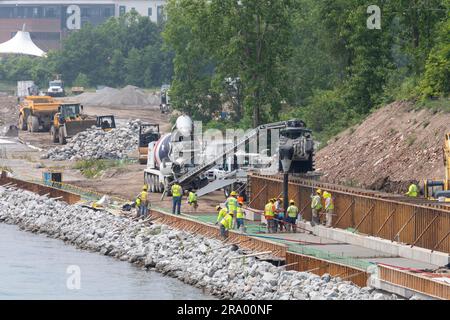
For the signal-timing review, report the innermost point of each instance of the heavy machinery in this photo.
(147, 133)
(36, 113)
(69, 121)
(168, 160)
(439, 189)
(164, 104)
(56, 88)
(106, 123)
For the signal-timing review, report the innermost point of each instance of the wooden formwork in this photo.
(415, 282)
(65, 196)
(300, 262)
(369, 213)
(211, 231)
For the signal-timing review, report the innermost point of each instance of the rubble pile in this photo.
(110, 97)
(193, 259)
(94, 143)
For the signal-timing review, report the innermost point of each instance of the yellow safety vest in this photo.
(231, 204)
(316, 204)
(412, 191)
(227, 222)
(240, 213)
(143, 196)
(192, 197)
(329, 204)
(292, 211)
(268, 210)
(176, 190)
(222, 214)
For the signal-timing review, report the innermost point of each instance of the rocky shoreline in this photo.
(196, 260)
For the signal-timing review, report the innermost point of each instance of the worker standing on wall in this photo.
(413, 191)
(142, 202)
(269, 214)
(192, 200)
(329, 208)
(292, 214)
(240, 217)
(177, 193)
(226, 224)
(316, 206)
(222, 213)
(231, 204)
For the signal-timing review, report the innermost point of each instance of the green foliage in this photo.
(93, 168)
(81, 80)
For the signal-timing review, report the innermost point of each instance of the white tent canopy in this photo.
(21, 43)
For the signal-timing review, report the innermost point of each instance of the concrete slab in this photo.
(403, 263)
(348, 250)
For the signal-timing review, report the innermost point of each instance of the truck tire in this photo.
(61, 137)
(54, 134)
(33, 124)
(22, 123)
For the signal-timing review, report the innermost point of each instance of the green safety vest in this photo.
(329, 205)
(268, 210)
(412, 191)
(222, 214)
(292, 211)
(240, 213)
(227, 222)
(176, 190)
(231, 204)
(316, 204)
(192, 197)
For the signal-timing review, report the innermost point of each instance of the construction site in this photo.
(268, 213)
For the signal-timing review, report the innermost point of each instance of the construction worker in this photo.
(231, 204)
(292, 214)
(413, 191)
(142, 201)
(269, 214)
(192, 200)
(329, 208)
(226, 224)
(316, 206)
(177, 193)
(279, 221)
(240, 216)
(222, 213)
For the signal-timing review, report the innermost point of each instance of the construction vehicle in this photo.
(439, 189)
(147, 133)
(27, 88)
(77, 90)
(56, 88)
(69, 121)
(167, 159)
(106, 123)
(164, 104)
(36, 113)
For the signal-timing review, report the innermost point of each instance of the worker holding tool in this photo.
(222, 213)
(329, 208)
(292, 214)
(231, 204)
(240, 217)
(269, 214)
(142, 202)
(177, 193)
(316, 206)
(413, 191)
(226, 224)
(192, 200)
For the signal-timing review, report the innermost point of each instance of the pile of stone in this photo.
(193, 259)
(94, 143)
(126, 97)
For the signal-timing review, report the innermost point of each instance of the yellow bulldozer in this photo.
(439, 189)
(36, 113)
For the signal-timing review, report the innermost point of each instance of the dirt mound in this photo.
(391, 148)
(110, 97)
(9, 112)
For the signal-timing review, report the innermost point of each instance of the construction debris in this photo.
(178, 254)
(95, 143)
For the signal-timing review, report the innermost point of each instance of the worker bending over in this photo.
(177, 193)
(192, 200)
(269, 214)
(316, 207)
(329, 208)
(240, 217)
(222, 213)
(226, 224)
(142, 202)
(292, 214)
(413, 191)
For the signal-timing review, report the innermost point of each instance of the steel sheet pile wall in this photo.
(372, 214)
(415, 282)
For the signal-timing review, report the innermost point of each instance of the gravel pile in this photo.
(94, 143)
(127, 96)
(191, 258)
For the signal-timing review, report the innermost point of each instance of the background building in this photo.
(48, 21)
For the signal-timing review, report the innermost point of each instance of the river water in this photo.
(36, 267)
